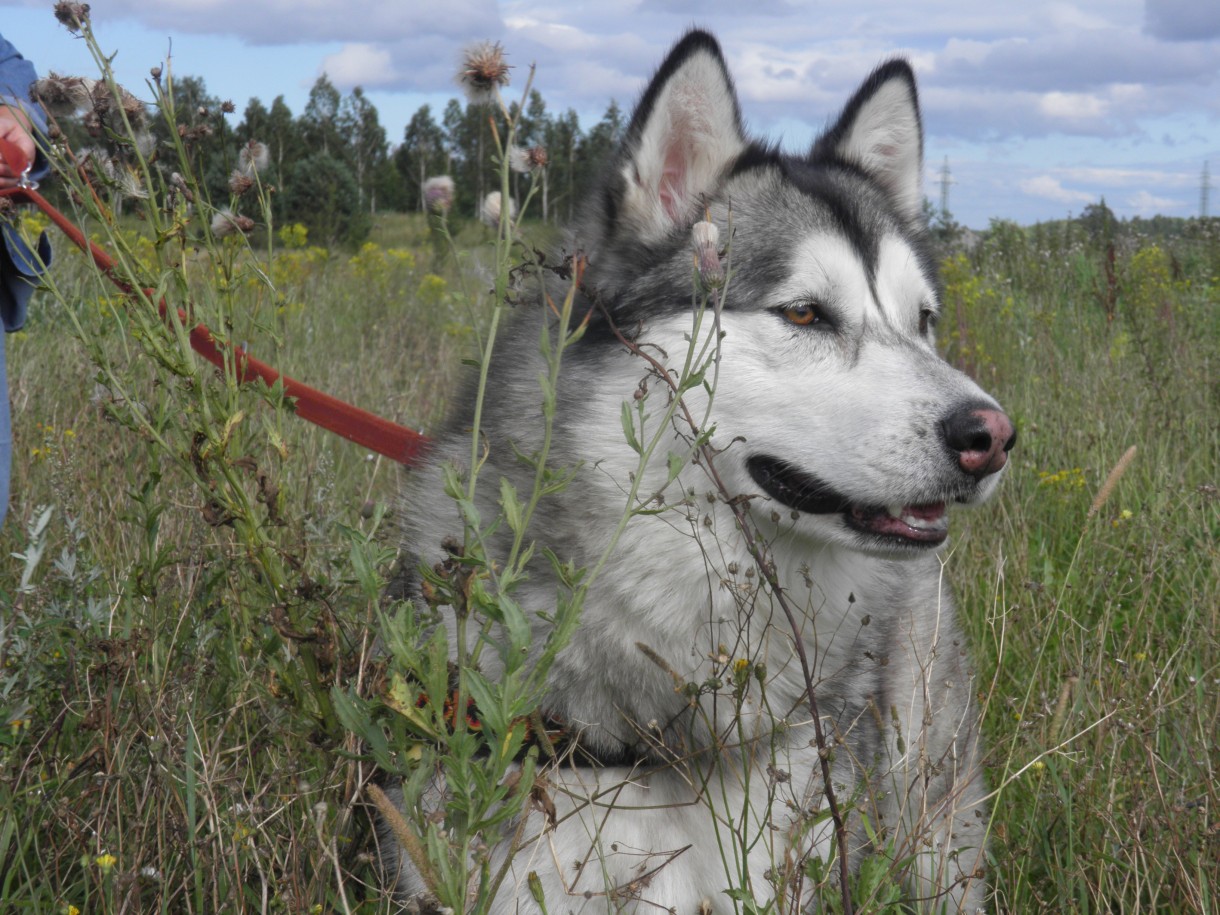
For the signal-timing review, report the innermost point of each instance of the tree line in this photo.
(334, 166)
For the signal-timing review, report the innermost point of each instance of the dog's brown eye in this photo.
(802, 314)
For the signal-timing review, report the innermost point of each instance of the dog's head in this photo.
(832, 403)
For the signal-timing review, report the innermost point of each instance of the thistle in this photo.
(73, 16)
(527, 160)
(438, 194)
(62, 96)
(226, 222)
(107, 111)
(239, 183)
(493, 209)
(254, 157)
(483, 72)
(705, 239)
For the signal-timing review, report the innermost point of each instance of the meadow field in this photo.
(166, 741)
(191, 577)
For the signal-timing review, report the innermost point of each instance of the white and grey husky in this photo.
(839, 438)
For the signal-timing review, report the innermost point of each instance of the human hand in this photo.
(15, 127)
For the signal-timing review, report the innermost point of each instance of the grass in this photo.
(146, 720)
(1103, 632)
(141, 688)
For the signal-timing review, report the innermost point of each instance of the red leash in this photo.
(367, 429)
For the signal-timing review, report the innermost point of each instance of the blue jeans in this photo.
(6, 435)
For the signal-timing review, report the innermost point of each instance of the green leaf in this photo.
(511, 506)
(629, 428)
(676, 463)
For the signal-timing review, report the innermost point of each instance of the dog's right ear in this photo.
(685, 132)
(881, 134)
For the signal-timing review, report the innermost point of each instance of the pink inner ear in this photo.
(673, 183)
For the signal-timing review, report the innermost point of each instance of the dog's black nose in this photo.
(981, 437)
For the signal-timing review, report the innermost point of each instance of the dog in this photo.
(767, 682)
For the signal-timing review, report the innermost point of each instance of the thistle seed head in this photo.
(493, 209)
(239, 183)
(62, 96)
(254, 157)
(527, 160)
(483, 72)
(73, 16)
(96, 162)
(438, 194)
(107, 110)
(130, 184)
(226, 222)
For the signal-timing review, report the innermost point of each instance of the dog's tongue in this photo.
(924, 523)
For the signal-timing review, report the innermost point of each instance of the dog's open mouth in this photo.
(923, 524)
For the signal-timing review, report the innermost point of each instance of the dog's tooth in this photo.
(894, 511)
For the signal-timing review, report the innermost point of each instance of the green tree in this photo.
(421, 155)
(359, 124)
(322, 195)
(466, 143)
(563, 140)
(532, 130)
(1099, 222)
(255, 122)
(319, 124)
(283, 139)
(203, 131)
(596, 148)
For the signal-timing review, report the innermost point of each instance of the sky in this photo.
(1037, 108)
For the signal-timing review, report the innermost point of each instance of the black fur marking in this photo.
(757, 155)
(826, 147)
(795, 489)
(690, 44)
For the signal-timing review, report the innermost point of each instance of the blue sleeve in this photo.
(20, 266)
(16, 76)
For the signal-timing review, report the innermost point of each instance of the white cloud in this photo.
(359, 65)
(1072, 106)
(1071, 16)
(273, 22)
(1079, 97)
(1147, 204)
(1127, 176)
(1050, 188)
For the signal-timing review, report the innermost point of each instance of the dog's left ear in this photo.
(880, 133)
(685, 132)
